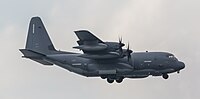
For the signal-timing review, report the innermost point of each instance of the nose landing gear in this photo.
(165, 76)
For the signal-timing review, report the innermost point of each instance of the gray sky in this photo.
(154, 25)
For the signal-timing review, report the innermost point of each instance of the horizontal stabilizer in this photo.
(38, 57)
(31, 54)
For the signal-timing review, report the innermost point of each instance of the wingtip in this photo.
(79, 31)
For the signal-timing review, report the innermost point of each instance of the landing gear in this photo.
(110, 80)
(119, 80)
(103, 77)
(165, 76)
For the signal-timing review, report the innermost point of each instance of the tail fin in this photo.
(38, 39)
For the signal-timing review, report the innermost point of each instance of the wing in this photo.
(88, 42)
(86, 37)
(94, 48)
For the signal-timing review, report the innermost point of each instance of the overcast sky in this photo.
(154, 25)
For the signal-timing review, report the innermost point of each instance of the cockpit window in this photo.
(172, 57)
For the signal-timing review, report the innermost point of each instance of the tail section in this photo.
(38, 43)
(38, 39)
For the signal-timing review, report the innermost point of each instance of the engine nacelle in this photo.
(96, 47)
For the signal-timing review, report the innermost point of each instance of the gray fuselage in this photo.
(142, 65)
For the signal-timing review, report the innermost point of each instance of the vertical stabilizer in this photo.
(38, 39)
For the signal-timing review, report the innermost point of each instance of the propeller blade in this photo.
(128, 46)
(120, 40)
(128, 51)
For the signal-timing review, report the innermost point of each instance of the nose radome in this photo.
(182, 65)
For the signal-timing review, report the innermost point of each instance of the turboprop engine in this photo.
(96, 47)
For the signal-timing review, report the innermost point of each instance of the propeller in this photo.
(120, 42)
(120, 46)
(128, 51)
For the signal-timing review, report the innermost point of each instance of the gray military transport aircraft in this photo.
(107, 60)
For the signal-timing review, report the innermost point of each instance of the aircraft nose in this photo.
(181, 65)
